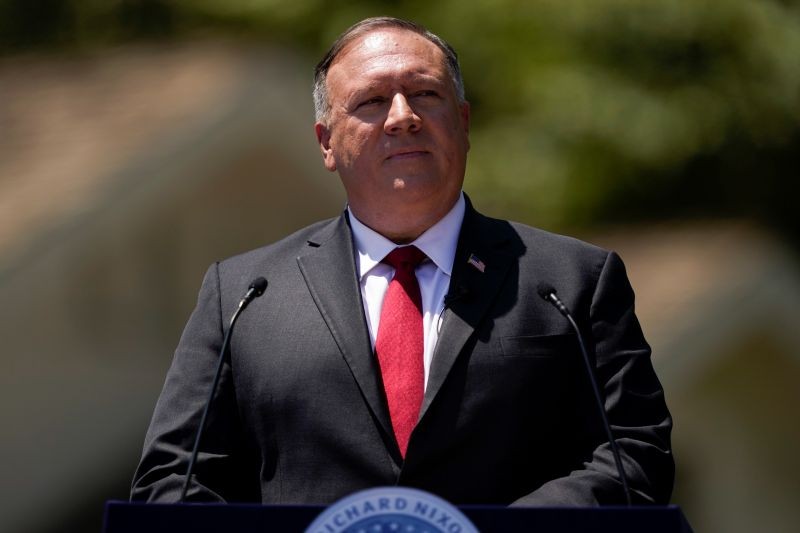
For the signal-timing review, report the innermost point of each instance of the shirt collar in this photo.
(437, 242)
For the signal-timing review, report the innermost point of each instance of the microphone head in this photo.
(259, 285)
(545, 290)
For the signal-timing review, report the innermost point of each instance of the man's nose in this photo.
(401, 116)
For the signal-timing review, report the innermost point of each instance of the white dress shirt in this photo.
(433, 274)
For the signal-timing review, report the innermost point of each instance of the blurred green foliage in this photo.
(584, 112)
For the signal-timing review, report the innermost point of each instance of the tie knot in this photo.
(405, 257)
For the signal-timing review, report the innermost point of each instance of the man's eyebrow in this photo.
(368, 86)
(416, 77)
(426, 77)
(376, 85)
(362, 92)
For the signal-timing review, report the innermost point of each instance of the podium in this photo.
(124, 517)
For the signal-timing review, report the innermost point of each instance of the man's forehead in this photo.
(387, 41)
(388, 37)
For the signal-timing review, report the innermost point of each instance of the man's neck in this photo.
(402, 228)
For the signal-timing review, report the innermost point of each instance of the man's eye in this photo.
(426, 93)
(371, 101)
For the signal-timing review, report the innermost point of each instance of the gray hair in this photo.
(322, 106)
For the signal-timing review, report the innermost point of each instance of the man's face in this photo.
(396, 132)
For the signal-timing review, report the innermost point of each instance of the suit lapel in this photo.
(487, 241)
(328, 267)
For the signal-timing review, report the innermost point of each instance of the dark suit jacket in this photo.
(300, 416)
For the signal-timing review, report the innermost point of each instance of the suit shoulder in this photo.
(539, 251)
(575, 267)
(540, 240)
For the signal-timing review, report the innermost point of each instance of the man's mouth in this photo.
(406, 154)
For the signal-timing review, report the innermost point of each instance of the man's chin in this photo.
(419, 184)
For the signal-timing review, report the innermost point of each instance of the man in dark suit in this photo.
(485, 402)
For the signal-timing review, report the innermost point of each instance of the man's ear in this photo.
(324, 139)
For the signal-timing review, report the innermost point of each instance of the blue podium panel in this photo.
(660, 519)
(124, 517)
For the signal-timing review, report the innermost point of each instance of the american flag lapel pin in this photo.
(475, 261)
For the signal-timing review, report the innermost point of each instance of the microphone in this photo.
(548, 294)
(256, 289)
(455, 294)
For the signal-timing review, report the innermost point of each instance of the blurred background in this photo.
(140, 140)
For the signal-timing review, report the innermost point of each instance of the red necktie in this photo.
(399, 345)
